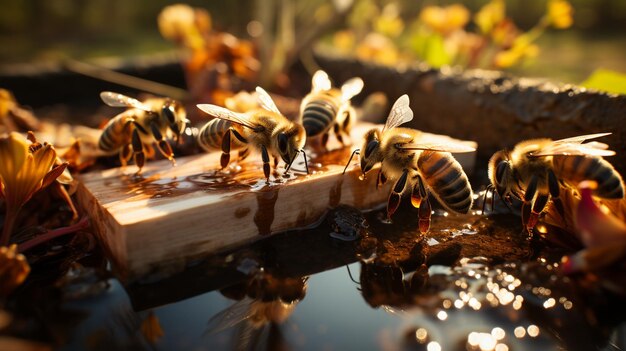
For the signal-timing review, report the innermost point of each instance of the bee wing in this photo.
(572, 149)
(443, 147)
(579, 139)
(266, 101)
(230, 316)
(223, 113)
(597, 145)
(400, 113)
(120, 100)
(320, 81)
(351, 88)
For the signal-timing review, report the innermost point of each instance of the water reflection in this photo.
(478, 289)
(263, 303)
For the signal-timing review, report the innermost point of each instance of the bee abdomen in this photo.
(211, 134)
(446, 180)
(114, 135)
(317, 117)
(575, 169)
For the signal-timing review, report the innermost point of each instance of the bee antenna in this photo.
(306, 162)
(493, 199)
(350, 275)
(487, 190)
(355, 152)
(290, 163)
(506, 203)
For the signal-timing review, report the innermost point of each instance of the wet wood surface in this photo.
(161, 220)
(302, 253)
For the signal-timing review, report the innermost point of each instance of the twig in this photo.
(108, 75)
(52, 234)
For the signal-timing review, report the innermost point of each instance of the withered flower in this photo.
(522, 48)
(445, 20)
(13, 117)
(560, 14)
(13, 269)
(179, 22)
(24, 170)
(490, 15)
(602, 233)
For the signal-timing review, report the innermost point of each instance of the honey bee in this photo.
(422, 168)
(264, 129)
(535, 169)
(263, 301)
(140, 125)
(326, 107)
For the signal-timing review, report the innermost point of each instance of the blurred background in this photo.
(43, 30)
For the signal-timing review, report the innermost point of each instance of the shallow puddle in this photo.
(481, 286)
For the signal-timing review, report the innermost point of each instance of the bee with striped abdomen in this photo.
(418, 167)
(142, 124)
(211, 135)
(326, 107)
(264, 129)
(534, 171)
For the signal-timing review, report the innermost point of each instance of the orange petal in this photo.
(13, 151)
(53, 174)
(596, 227)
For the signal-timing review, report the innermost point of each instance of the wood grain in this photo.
(169, 215)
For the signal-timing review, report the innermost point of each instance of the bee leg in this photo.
(538, 206)
(345, 129)
(553, 185)
(424, 214)
(396, 194)
(340, 138)
(324, 141)
(381, 179)
(225, 158)
(530, 220)
(138, 154)
(526, 210)
(163, 145)
(125, 154)
(242, 154)
(417, 194)
(275, 166)
(337, 131)
(339, 134)
(238, 135)
(266, 163)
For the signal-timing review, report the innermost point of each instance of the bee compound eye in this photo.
(168, 110)
(502, 171)
(282, 142)
(371, 146)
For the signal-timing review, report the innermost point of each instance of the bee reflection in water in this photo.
(389, 279)
(264, 302)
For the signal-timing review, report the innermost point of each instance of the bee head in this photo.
(500, 171)
(175, 115)
(290, 141)
(370, 150)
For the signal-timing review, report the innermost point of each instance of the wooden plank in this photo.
(170, 215)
